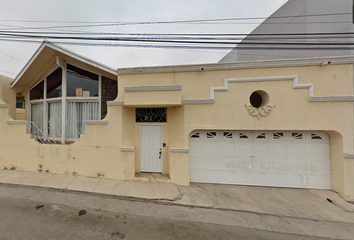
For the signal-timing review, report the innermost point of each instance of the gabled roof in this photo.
(45, 53)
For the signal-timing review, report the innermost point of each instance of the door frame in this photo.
(141, 157)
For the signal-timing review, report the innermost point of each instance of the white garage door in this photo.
(264, 158)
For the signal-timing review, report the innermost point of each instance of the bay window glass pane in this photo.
(78, 112)
(54, 84)
(54, 119)
(81, 83)
(37, 92)
(37, 119)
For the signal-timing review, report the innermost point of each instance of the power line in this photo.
(185, 46)
(179, 41)
(7, 60)
(323, 34)
(194, 21)
(180, 21)
(11, 57)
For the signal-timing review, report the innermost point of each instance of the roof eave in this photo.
(295, 62)
(66, 52)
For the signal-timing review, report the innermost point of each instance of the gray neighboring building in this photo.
(312, 24)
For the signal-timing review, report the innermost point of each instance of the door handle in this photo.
(160, 152)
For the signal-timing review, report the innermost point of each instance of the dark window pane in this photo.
(81, 83)
(20, 102)
(150, 115)
(261, 136)
(228, 134)
(54, 84)
(211, 134)
(195, 135)
(244, 136)
(37, 92)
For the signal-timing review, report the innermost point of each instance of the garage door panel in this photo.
(262, 158)
(229, 162)
(260, 149)
(244, 149)
(196, 147)
(213, 162)
(318, 181)
(229, 177)
(196, 161)
(279, 149)
(197, 175)
(212, 176)
(318, 150)
(245, 163)
(263, 163)
(228, 148)
(319, 166)
(298, 165)
(280, 164)
(297, 150)
(211, 147)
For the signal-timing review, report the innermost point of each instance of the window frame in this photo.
(64, 100)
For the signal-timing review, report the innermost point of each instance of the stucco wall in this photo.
(98, 152)
(292, 111)
(7, 95)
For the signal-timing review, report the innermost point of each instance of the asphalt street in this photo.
(40, 219)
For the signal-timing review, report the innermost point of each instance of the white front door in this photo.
(151, 148)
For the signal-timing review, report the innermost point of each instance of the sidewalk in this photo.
(131, 189)
(298, 211)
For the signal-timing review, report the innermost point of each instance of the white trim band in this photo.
(3, 105)
(14, 122)
(179, 150)
(127, 149)
(95, 122)
(177, 87)
(333, 99)
(349, 155)
(198, 101)
(115, 103)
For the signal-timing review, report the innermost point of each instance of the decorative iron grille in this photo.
(151, 115)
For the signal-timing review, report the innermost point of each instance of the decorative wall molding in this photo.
(127, 149)
(198, 101)
(333, 99)
(349, 155)
(13, 122)
(296, 85)
(3, 105)
(179, 150)
(259, 112)
(177, 87)
(115, 103)
(293, 78)
(95, 122)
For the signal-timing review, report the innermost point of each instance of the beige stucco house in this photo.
(283, 123)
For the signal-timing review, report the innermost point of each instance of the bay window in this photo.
(61, 102)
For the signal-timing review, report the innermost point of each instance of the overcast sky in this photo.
(14, 55)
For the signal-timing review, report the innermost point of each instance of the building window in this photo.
(20, 102)
(152, 115)
(80, 101)
(81, 83)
